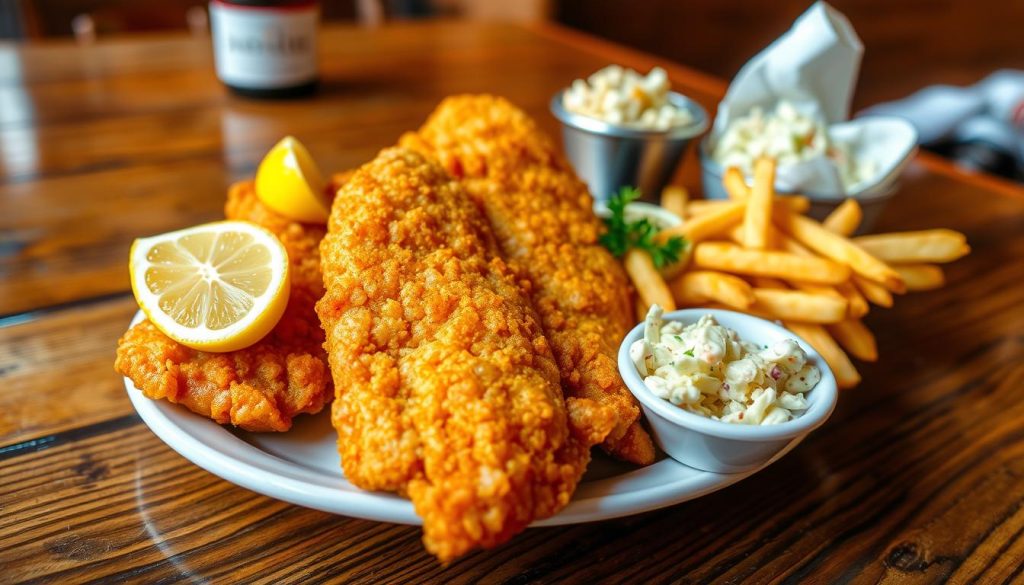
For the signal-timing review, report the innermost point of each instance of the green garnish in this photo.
(689, 352)
(623, 235)
(798, 144)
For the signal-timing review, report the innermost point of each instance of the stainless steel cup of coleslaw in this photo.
(711, 445)
(608, 156)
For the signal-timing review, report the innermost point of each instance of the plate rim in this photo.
(265, 475)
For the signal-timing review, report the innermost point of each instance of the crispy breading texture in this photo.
(261, 387)
(446, 389)
(542, 217)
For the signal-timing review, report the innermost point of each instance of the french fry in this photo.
(727, 257)
(768, 282)
(920, 276)
(758, 215)
(856, 338)
(751, 310)
(764, 282)
(818, 338)
(735, 235)
(816, 289)
(844, 219)
(857, 303)
(674, 198)
(735, 184)
(788, 244)
(697, 287)
(650, 286)
(702, 206)
(873, 291)
(781, 204)
(794, 203)
(705, 226)
(812, 235)
(793, 305)
(939, 245)
(736, 187)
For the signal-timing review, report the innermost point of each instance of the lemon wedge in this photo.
(289, 182)
(216, 287)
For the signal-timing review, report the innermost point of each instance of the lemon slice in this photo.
(215, 287)
(289, 182)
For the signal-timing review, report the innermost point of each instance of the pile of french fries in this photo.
(758, 253)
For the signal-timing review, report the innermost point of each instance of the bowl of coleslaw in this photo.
(861, 159)
(724, 391)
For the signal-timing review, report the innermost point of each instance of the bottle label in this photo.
(264, 47)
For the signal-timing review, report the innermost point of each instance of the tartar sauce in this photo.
(788, 136)
(707, 369)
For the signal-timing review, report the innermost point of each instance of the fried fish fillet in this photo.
(446, 389)
(261, 387)
(542, 217)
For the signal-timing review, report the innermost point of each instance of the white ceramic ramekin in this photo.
(712, 445)
(656, 214)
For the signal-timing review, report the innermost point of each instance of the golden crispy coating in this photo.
(261, 387)
(446, 389)
(542, 217)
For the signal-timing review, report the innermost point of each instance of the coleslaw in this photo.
(708, 370)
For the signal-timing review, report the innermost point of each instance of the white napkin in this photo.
(814, 66)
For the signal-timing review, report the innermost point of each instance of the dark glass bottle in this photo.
(266, 48)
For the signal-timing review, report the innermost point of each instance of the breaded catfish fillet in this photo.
(261, 387)
(446, 389)
(545, 226)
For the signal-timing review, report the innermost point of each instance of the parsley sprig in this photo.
(623, 235)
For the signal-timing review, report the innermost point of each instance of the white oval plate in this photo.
(302, 467)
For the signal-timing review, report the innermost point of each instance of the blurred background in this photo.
(910, 44)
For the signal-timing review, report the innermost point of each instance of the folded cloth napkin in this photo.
(981, 125)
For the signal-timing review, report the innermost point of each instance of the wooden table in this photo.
(918, 477)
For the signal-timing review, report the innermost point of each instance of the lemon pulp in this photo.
(217, 287)
(289, 182)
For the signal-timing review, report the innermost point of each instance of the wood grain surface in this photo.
(917, 478)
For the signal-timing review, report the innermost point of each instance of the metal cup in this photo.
(608, 156)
